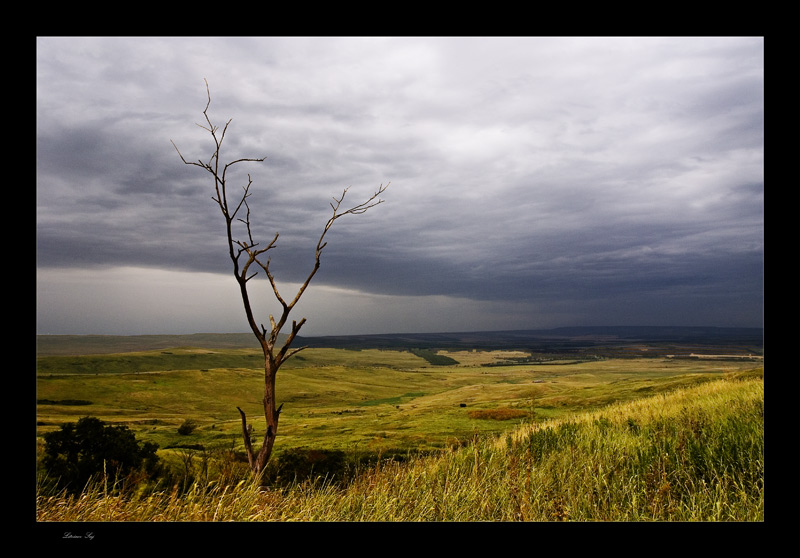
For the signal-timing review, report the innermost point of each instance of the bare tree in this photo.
(247, 257)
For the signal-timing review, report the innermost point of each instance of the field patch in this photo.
(498, 414)
(341, 399)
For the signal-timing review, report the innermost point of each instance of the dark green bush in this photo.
(90, 448)
(307, 464)
(187, 427)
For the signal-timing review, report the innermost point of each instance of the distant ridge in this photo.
(557, 339)
(562, 337)
(103, 344)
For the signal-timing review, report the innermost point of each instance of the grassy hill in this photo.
(689, 454)
(372, 400)
(426, 433)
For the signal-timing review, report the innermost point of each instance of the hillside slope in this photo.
(695, 454)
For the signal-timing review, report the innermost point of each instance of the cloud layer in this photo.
(535, 182)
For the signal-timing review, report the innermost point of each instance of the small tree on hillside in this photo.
(89, 448)
(248, 256)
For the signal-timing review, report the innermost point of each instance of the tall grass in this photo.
(696, 454)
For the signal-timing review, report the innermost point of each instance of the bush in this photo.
(187, 427)
(306, 464)
(77, 452)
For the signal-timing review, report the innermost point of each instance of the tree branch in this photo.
(246, 431)
(237, 248)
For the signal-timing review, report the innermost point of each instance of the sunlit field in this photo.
(689, 450)
(368, 400)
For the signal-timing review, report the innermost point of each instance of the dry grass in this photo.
(695, 454)
(498, 414)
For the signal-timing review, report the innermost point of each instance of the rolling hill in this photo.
(620, 340)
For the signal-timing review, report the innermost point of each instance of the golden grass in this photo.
(498, 414)
(695, 454)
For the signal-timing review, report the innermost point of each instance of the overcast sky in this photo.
(535, 182)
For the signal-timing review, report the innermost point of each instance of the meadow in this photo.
(657, 429)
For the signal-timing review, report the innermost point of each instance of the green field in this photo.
(353, 400)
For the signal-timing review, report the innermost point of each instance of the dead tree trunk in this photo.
(245, 254)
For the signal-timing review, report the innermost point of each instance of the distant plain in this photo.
(367, 400)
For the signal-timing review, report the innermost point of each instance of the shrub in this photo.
(77, 452)
(187, 427)
(306, 464)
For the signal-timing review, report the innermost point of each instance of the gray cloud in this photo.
(600, 180)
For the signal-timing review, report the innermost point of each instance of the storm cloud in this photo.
(535, 182)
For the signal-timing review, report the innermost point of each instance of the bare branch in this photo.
(247, 429)
(356, 210)
(237, 249)
(293, 352)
